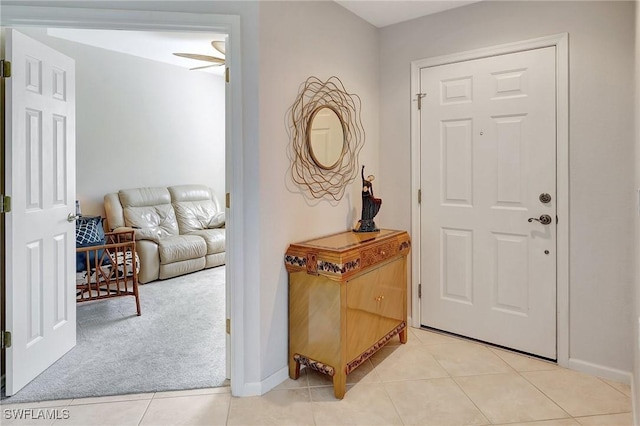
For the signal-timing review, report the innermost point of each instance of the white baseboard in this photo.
(275, 379)
(260, 388)
(247, 389)
(600, 371)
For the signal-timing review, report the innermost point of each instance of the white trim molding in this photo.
(561, 44)
(135, 20)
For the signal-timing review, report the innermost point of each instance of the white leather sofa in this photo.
(179, 229)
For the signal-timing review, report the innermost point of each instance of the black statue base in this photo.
(366, 225)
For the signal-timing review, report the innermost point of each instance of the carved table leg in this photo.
(403, 336)
(339, 384)
(294, 369)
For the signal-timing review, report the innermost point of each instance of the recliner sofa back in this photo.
(149, 209)
(195, 207)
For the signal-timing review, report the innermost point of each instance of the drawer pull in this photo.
(379, 298)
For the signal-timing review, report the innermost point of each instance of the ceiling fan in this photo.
(218, 45)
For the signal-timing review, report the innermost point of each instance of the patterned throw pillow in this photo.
(89, 232)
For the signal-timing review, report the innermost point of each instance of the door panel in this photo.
(40, 178)
(487, 130)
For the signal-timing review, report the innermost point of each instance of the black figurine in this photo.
(370, 206)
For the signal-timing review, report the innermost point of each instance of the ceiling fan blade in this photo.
(201, 57)
(206, 66)
(219, 46)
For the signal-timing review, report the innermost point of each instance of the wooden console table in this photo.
(347, 298)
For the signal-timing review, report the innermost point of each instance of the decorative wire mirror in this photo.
(326, 137)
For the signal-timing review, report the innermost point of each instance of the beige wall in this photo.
(602, 200)
(298, 40)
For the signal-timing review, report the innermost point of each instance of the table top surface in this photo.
(348, 239)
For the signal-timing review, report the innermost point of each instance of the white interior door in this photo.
(488, 152)
(40, 178)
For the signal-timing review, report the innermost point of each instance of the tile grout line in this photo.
(610, 385)
(448, 376)
(384, 387)
(313, 415)
(453, 379)
(146, 410)
(544, 393)
(226, 420)
(513, 370)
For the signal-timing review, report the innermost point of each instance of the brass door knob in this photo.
(544, 219)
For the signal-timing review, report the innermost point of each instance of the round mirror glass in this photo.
(326, 137)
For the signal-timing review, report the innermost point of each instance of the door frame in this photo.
(561, 43)
(134, 20)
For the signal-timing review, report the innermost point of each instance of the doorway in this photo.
(466, 173)
(210, 23)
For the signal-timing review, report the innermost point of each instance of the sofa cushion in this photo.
(217, 221)
(215, 239)
(181, 247)
(195, 206)
(149, 209)
(194, 215)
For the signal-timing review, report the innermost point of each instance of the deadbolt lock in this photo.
(545, 198)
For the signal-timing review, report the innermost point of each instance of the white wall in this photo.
(299, 40)
(601, 40)
(142, 123)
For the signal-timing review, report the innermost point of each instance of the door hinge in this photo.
(420, 96)
(419, 196)
(5, 339)
(228, 200)
(419, 291)
(228, 325)
(5, 69)
(5, 203)
(226, 74)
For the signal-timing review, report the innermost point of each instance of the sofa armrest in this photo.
(114, 211)
(122, 229)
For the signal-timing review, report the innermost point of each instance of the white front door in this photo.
(488, 154)
(40, 178)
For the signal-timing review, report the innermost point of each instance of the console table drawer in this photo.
(379, 253)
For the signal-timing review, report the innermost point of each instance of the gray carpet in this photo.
(177, 343)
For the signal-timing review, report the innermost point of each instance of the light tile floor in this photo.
(432, 380)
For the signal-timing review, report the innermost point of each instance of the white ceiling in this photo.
(387, 12)
(157, 46)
